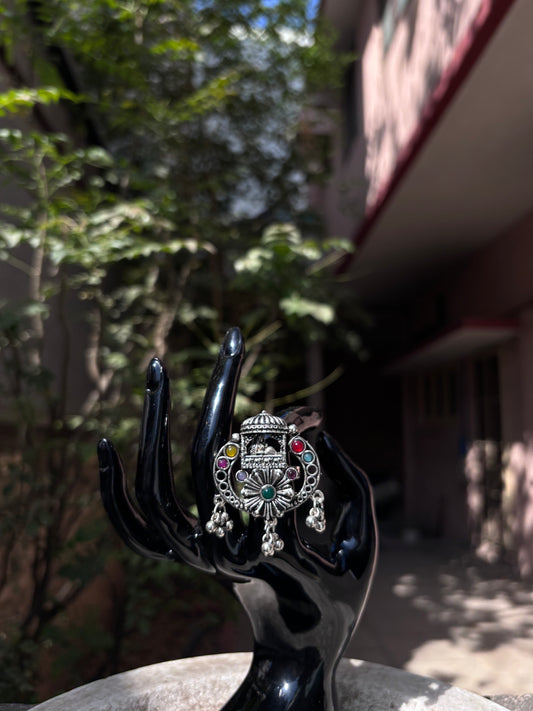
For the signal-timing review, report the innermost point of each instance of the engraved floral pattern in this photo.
(258, 497)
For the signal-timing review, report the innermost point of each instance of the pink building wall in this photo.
(394, 85)
(451, 458)
(495, 282)
(399, 81)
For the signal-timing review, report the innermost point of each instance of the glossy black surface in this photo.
(304, 602)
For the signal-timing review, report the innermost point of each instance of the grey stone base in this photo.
(513, 703)
(206, 683)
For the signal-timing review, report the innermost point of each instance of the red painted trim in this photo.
(467, 53)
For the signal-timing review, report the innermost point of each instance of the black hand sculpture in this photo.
(305, 601)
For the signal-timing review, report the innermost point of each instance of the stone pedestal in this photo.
(206, 683)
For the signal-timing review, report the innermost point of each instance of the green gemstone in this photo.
(268, 492)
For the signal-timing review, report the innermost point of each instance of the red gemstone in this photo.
(297, 446)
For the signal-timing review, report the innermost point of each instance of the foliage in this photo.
(175, 207)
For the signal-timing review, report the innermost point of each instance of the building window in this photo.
(390, 13)
(487, 393)
(437, 396)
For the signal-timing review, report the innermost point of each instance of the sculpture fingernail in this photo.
(154, 375)
(232, 342)
(104, 455)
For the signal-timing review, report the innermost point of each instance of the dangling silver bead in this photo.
(317, 518)
(267, 548)
(220, 522)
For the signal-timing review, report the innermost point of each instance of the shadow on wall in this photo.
(517, 503)
(499, 501)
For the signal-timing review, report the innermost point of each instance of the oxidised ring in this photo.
(266, 470)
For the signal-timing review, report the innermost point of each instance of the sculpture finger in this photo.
(341, 468)
(154, 484)
(215, 422)
(353, 534)
(129, 524)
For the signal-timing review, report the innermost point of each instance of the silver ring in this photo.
(266, 470)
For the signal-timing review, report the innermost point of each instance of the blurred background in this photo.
(348, 182)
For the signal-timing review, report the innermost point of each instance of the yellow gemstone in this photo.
(231, 450)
